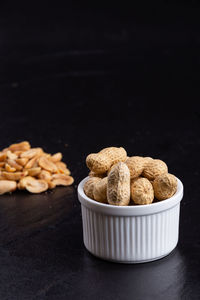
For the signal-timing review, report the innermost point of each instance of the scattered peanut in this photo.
(51, 184)
(142, 191)
(62, 179)
(11, 155)
(23, 146)
(36, 185)
(22, 183)
(32, 169)
(46, 175)
(3, 156)
(31, 153)
(31, 163)
(14, 176)
(56, 157)
(14, 164)
(62, 168)
(165, 186)
(22, 161)
(46, 164)
(7, 186)
(8, 168)
(18, 153)
(2, 164)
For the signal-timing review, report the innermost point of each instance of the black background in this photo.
(78, 77)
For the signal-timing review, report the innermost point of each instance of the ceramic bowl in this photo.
(130, 234)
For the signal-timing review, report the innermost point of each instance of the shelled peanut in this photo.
(117, 179)
(32, 169)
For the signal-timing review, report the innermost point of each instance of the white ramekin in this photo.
(130, 234)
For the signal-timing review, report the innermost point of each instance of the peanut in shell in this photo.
(118, 188)
(100, 190)
(136, 165)
(89, 186)
(154, 168)
(102, 161)
(142, 191)
(165, 186)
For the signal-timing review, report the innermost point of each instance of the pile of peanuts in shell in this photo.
(31, 169)
(117, 179)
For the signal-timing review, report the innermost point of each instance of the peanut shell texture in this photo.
(135, 165)
(118, 188)
(102, 161)
(154, 168)
(142, 191)
(100, 190)
(165, 186)
(89, 186)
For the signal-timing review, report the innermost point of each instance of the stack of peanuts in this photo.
(32, 169)
(117, 179)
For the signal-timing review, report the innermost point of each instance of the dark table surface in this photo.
(76, 79)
